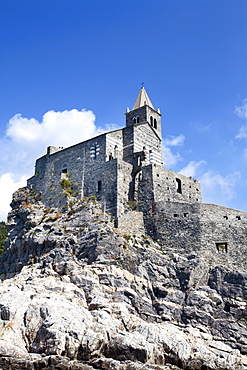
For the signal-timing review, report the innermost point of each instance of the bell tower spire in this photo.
(142, 99)
(143, 112)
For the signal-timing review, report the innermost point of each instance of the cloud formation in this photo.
(169, 158)
(192, 168)
(217, 188)
(26, 139)
(241, 111)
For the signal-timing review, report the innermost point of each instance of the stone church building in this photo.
(123, 170)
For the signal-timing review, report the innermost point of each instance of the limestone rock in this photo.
(75, 294)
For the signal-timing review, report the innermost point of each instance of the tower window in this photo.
(137, 119)
(134, 119)
(151, 121)
(155, 123)
(178, 186)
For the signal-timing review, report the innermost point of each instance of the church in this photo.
(123, 170)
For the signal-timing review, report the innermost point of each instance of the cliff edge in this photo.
(76, 294)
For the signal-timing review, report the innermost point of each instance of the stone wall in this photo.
(217, 232)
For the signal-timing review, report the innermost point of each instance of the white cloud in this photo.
(191, 168)
(169, 158)
(217, 188)
(174, 140)
(56, 128)
(7, 187)
(242, 110)
(242, 134)
(27, 139)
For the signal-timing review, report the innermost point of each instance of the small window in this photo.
(151, 121)
(138, 160)
(186, 214)
(94, 151)
(175, 215)
(158, 175)
(134, 119)
(179, 186)
(138, 119)
(64, 168)
(110, 156)
(225, 217)
(238, 218)
(99, 186)
(221, 247)
(155, 123)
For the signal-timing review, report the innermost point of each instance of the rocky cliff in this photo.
(75, 294)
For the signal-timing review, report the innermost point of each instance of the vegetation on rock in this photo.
(3, 236)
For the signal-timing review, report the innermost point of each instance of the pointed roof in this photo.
(142, 99)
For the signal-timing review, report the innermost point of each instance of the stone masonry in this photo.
(123, 170)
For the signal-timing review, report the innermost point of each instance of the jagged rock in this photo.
(75, 294)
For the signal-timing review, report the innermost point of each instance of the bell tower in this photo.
(144, 112)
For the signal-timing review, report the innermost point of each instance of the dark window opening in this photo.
(179, 186)
(155, 123)
(225, 217)
(221, 247)
(175, 215)
(134, 120)
(158, 175)
(238, 218)
(151, 121)
(99, 185)
(186, 214)
(138, 120)
(64, 170)
(110, 156)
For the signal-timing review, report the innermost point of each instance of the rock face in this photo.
(75, 294)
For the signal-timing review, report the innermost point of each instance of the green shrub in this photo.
(3, 236)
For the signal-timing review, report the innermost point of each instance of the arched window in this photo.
(155, 123)
(134, 119)
(151, 121)
(64, 168)
(137, 119)
(94, 151)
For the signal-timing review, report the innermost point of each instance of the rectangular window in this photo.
(179, 186)
(99, 185)
(221, 247)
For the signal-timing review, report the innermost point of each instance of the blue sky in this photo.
(69, 69)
